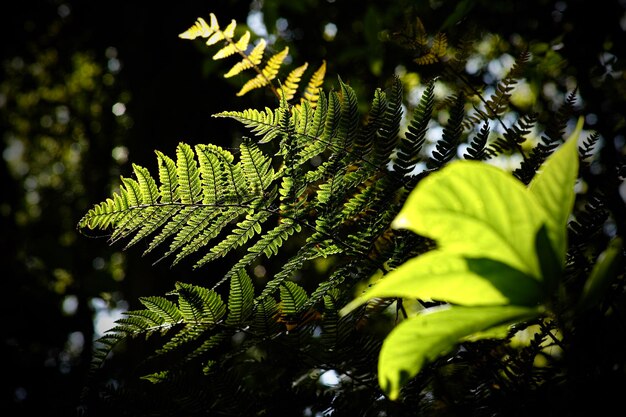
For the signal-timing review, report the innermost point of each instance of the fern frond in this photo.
(365, 139)
(103, 346)
(290, 85)
(205, 347)
(440, 45)
(476, 150)
(200, 29)
(587, 148)
(239, 236)
(188, 175)
(267, 74)
(292, 298)
(262, 123)
(304, 254)
(199, 304)
(315, 131)
(387, 135)
(446, 147)
(204, 222)
(219, 35)
(196, 200)
(523, 126)
(549, 141)
(433, 53)
(267, 245)
(164, 308)
(312, 90)
(349, 121)
(240, 299)
(232, 48)
(410, 146)
(252, 60)
(498, 103)
(265, 317)
(256, 166)
(148, 317)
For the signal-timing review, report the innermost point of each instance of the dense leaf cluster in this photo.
(316, 187)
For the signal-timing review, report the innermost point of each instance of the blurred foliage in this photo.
(56, 121)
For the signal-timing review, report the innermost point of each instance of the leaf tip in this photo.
(401, 222)
(351, 306)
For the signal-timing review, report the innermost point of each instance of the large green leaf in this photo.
(440, 276)
(606, 269)
(476, 210)
(436, 331)
(553, 187)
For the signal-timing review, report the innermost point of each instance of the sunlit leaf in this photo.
(436, 331)
(441, 276)
(606, 269)
(476, 210)
(553, 187)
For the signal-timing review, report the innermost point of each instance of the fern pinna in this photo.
(313, 182)
(252, 58)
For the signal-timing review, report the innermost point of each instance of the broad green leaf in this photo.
(441, 276)
(435, 332)
(476, 210)
(553, 187)
(606, 269)
(549, 263)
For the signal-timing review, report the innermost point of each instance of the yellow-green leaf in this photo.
(476, 210)
(553, 187)
(435, 332)
(441, 276)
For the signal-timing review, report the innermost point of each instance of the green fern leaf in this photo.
(204, 233)
(387, 135)
(188, 175)
(240, 299)
(315, 143)
(267, 245)
(168, 178)
(292, 298)
(210, 343)
(243, 232)
(199, 304)
(166, 309)
(306, 253)
(257, 168)
(367, 136)
(265, 317)
(151, 318)
(263, 124)
(147, 185)
(198, 223)
(409, 150)
(349, 121)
